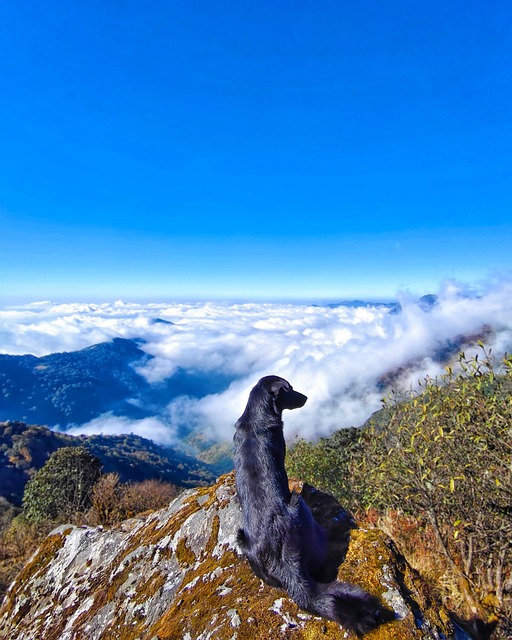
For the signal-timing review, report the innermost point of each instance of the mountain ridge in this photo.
(74, 387)
(25, 448)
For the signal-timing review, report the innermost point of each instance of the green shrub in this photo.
(62, 487)
(440, 456)
(445, 456)
(327, 465)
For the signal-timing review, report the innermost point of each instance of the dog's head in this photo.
(282, 393)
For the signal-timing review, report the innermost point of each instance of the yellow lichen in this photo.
(149, 588)
(222, 595)
(214, 537)
(369, 555)
(35, 566)
(184, 555)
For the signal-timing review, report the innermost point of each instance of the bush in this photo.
(327, 465)
(62, 487)
(18, 540)
(148, 495)
(445, 457)
(434, 469)
(113, 502)
(106, 500)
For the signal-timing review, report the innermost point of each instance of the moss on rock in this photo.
(178, 573)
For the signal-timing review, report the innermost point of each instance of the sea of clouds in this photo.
(338, 356)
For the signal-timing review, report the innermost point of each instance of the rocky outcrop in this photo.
(177, 574)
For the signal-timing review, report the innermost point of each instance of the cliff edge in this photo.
(177, 573)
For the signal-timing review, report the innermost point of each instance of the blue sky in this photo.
(270, 150)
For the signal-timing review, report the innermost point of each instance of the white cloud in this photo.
(107, 424)
(336, 356)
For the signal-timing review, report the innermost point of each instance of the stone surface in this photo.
(177, 574)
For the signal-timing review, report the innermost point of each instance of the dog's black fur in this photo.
(281, 539)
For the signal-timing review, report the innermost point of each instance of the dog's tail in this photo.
(345, 603)
(349, 605)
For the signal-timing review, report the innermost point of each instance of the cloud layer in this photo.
(338, 356)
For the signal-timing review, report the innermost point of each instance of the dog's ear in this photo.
(285, 396)
(282, 393)
(278, 385)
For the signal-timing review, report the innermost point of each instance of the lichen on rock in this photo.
(178, 573)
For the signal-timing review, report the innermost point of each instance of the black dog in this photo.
(283, 543)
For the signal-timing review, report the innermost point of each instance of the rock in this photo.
(177, 574)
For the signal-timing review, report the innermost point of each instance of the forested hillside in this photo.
(25, 448)
(77, 386)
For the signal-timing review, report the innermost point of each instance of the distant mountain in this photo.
(219, 455)
(25, 448)
(75, 387)
(61, 388)
(428, 302)
(161, 321)
(394, 307)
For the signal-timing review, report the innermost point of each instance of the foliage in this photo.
(18, 540)
(436, 467)
(327, 464)
(446, 457)
(25, 448)
(62, 487)
(7, 513)
(105, 500)
(113, 502)
(148, 495)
